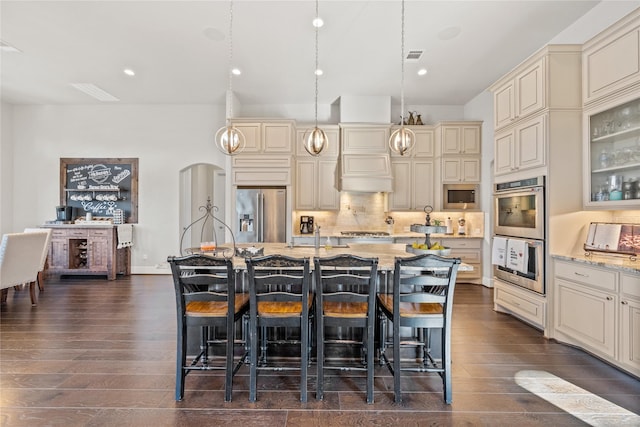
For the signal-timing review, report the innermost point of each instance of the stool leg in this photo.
(320, 355)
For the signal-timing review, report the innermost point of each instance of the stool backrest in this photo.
(20, 258)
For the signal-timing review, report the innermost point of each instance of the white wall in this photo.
(165, 138)
(6, 168)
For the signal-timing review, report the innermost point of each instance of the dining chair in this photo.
(346, 298)
(206, 298)
(20, 258)
(45, 252)
(421, 299)
(279, 289)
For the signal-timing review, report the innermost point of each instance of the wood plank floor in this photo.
(99, 353)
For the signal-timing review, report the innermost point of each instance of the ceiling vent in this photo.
(414, 55)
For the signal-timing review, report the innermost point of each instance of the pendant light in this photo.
(229, 139)
(403, 139)
(315, 140)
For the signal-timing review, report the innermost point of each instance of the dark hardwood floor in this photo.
(99, 353)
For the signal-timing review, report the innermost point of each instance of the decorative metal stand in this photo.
(427, 228)
(208, 215)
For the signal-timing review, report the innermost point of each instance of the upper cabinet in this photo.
(611, 60)
(425, 142)
(520, 95)
(521, 147)
(460, 149)
(266, 137)
(611, 122)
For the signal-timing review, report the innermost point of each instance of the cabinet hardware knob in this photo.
(624, 302)
(609, 298)
(580, 274)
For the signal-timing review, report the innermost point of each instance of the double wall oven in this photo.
(518, 247)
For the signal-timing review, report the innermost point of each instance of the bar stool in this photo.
(345, 296)
(279, 290)
(422, 299)
(206, 298)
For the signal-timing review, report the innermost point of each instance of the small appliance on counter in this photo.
(64, 213)
(306, 224)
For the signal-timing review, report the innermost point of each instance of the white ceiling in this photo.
(180, 53)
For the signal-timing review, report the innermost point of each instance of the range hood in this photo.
(364, 164)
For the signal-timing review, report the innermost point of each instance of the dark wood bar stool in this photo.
(206, 298)
(422, 299)
(279, 288)
(346, 297)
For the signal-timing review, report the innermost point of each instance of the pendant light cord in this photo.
(315, 73)
(227, 97)
(402, 69)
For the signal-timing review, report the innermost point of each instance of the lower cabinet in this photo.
(526, 305)
(598, 309)
(469, 250)
(77, 250)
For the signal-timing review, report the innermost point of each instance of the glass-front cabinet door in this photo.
(612, 166)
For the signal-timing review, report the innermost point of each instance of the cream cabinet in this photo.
(365, 163)
(425, 142)
(527, 306)
(460, 138)
(520, 95)
(611, 60)
(413, 185)
(460, 169)
(630, 321)
(315, 185)
(522, 147)
(469, 250)
(598, 309)
(266, 137)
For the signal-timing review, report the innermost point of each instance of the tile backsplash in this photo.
(368, 211)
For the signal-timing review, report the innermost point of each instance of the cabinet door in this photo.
(276, 137)
(504, 154)
(470, 140)
(451, 140)
(530, 90)
(451, 170)
(252, 135)
(98, 253)
(504, 105)
(425, 143)
(470, 170)
(586, 315)
(630, 334)
(530, 148)
(305, 184)
(58, 254)
(423, 184)
(328, 196)
(400, 198)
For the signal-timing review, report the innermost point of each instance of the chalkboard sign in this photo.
(100, 186)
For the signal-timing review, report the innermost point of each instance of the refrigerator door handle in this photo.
(258, 217)
(262, 217)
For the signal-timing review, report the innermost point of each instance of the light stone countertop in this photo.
(406, 234)
(385, 252)
(614, 261)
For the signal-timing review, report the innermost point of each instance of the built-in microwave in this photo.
(461, 197)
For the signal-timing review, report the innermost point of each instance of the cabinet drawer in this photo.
(58, 233)
(520, 303)
(630, 285)
(100, 233)
(468, 256)
(81, 233)
(598, 278)
(460, 243)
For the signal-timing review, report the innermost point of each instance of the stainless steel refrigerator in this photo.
(261, 214)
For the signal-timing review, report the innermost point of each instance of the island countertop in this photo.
(385, 252)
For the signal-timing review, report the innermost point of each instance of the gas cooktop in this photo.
(365, 233)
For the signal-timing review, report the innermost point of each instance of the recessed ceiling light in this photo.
(236, 71)
(129, 72)
(6, 47)
(95, 92)
(319, 72)
(317, 22)
(422, 71)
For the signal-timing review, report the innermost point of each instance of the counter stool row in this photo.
(280, 295)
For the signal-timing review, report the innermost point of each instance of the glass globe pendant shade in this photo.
(314, 141)
(230, 140)
(402, 140)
